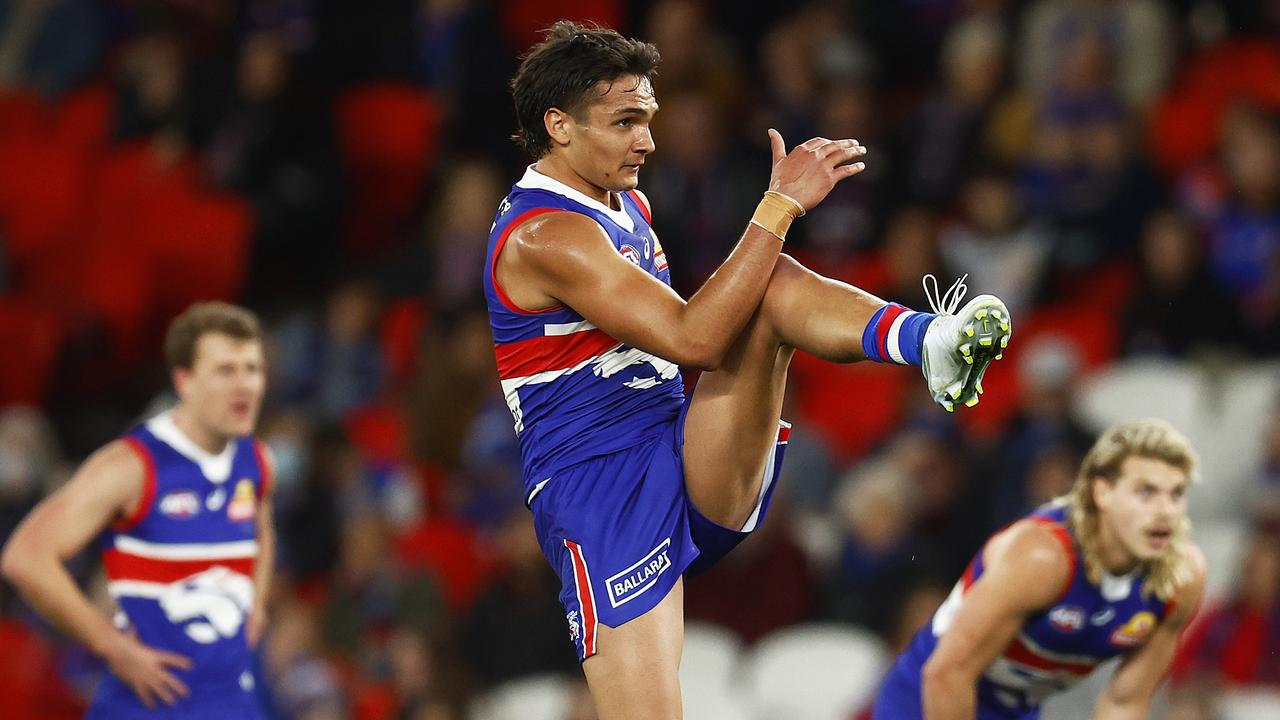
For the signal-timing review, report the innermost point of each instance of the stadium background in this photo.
(1110, 168)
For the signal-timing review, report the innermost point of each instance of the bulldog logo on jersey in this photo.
(180, 504)
(1134, 631)
(244, 503)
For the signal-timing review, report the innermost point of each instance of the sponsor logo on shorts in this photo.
(1067, 618)
(630, 583)
(180, 504)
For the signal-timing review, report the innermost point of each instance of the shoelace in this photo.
(944, 304)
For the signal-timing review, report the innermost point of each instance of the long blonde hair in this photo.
(1152, 438)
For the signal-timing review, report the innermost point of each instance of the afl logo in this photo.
(630, 253)
(180, 505)
(1067, 618)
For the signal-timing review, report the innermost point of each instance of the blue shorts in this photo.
(620, 529)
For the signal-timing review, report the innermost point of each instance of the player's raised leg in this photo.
(733, 418)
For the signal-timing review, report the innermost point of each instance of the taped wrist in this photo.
(776, 212)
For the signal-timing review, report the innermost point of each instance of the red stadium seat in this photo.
(388, 135)
(42, 188)
(524, 21)
(32, 338)
(403, 323)
(1091, 329)
(82, 119)
(852, 407)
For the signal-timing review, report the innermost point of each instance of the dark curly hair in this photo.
(562, 71)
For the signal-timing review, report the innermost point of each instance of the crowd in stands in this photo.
(1111, 168)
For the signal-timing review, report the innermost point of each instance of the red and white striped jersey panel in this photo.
(562, 347)
(132, 564)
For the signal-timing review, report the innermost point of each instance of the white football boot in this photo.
(958, 346)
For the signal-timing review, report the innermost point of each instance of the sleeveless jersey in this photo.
(181, 568)
(574, 391)
(1058, 647)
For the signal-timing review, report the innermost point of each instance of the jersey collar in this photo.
(534, 180)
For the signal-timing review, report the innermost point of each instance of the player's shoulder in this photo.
(1033, 547)
(556, 235)
(125, 456)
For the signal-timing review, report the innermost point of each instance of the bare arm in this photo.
(567, 258)
(1026, 569)
(265, 563)
(1129, 694)
(104, 490)
(107, 488)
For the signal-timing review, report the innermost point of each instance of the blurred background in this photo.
(1111, 168)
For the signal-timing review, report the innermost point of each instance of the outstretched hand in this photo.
(813, 168)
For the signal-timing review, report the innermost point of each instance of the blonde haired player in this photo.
(1107, 570)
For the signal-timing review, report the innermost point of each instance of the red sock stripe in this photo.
(587, 601)
(891, 313)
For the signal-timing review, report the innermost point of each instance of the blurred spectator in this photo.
(308, 526)
(1137, 36)
(1036, 458)
(701, 188)
(1244, 230)
(952, 515)
(765, 584)
(696, 57)
(517, 626)
(369, 594)
(31, 465)
(877, 506)
(1003, 251)
(49, 45)
(846, 221)
(303, 685)
(333, 364)
(274, 144)
(441, 266)
(939, 143)
(1234, 642)
(1082, 173)
(910, 251)
(1179, 307)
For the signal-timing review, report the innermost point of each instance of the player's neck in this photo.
(1115, 559)
(554, 167)
(204, 439)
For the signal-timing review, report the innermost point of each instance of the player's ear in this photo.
(181, 378)
(558, 124)
(1101, 488)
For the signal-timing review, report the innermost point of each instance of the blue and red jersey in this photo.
(181, 568)
(1055, 648)
(574, 391)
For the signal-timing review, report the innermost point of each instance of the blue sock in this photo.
(896, 335)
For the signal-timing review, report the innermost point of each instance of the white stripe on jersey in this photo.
(1057, 657)
(552, 329)
(190, 551)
